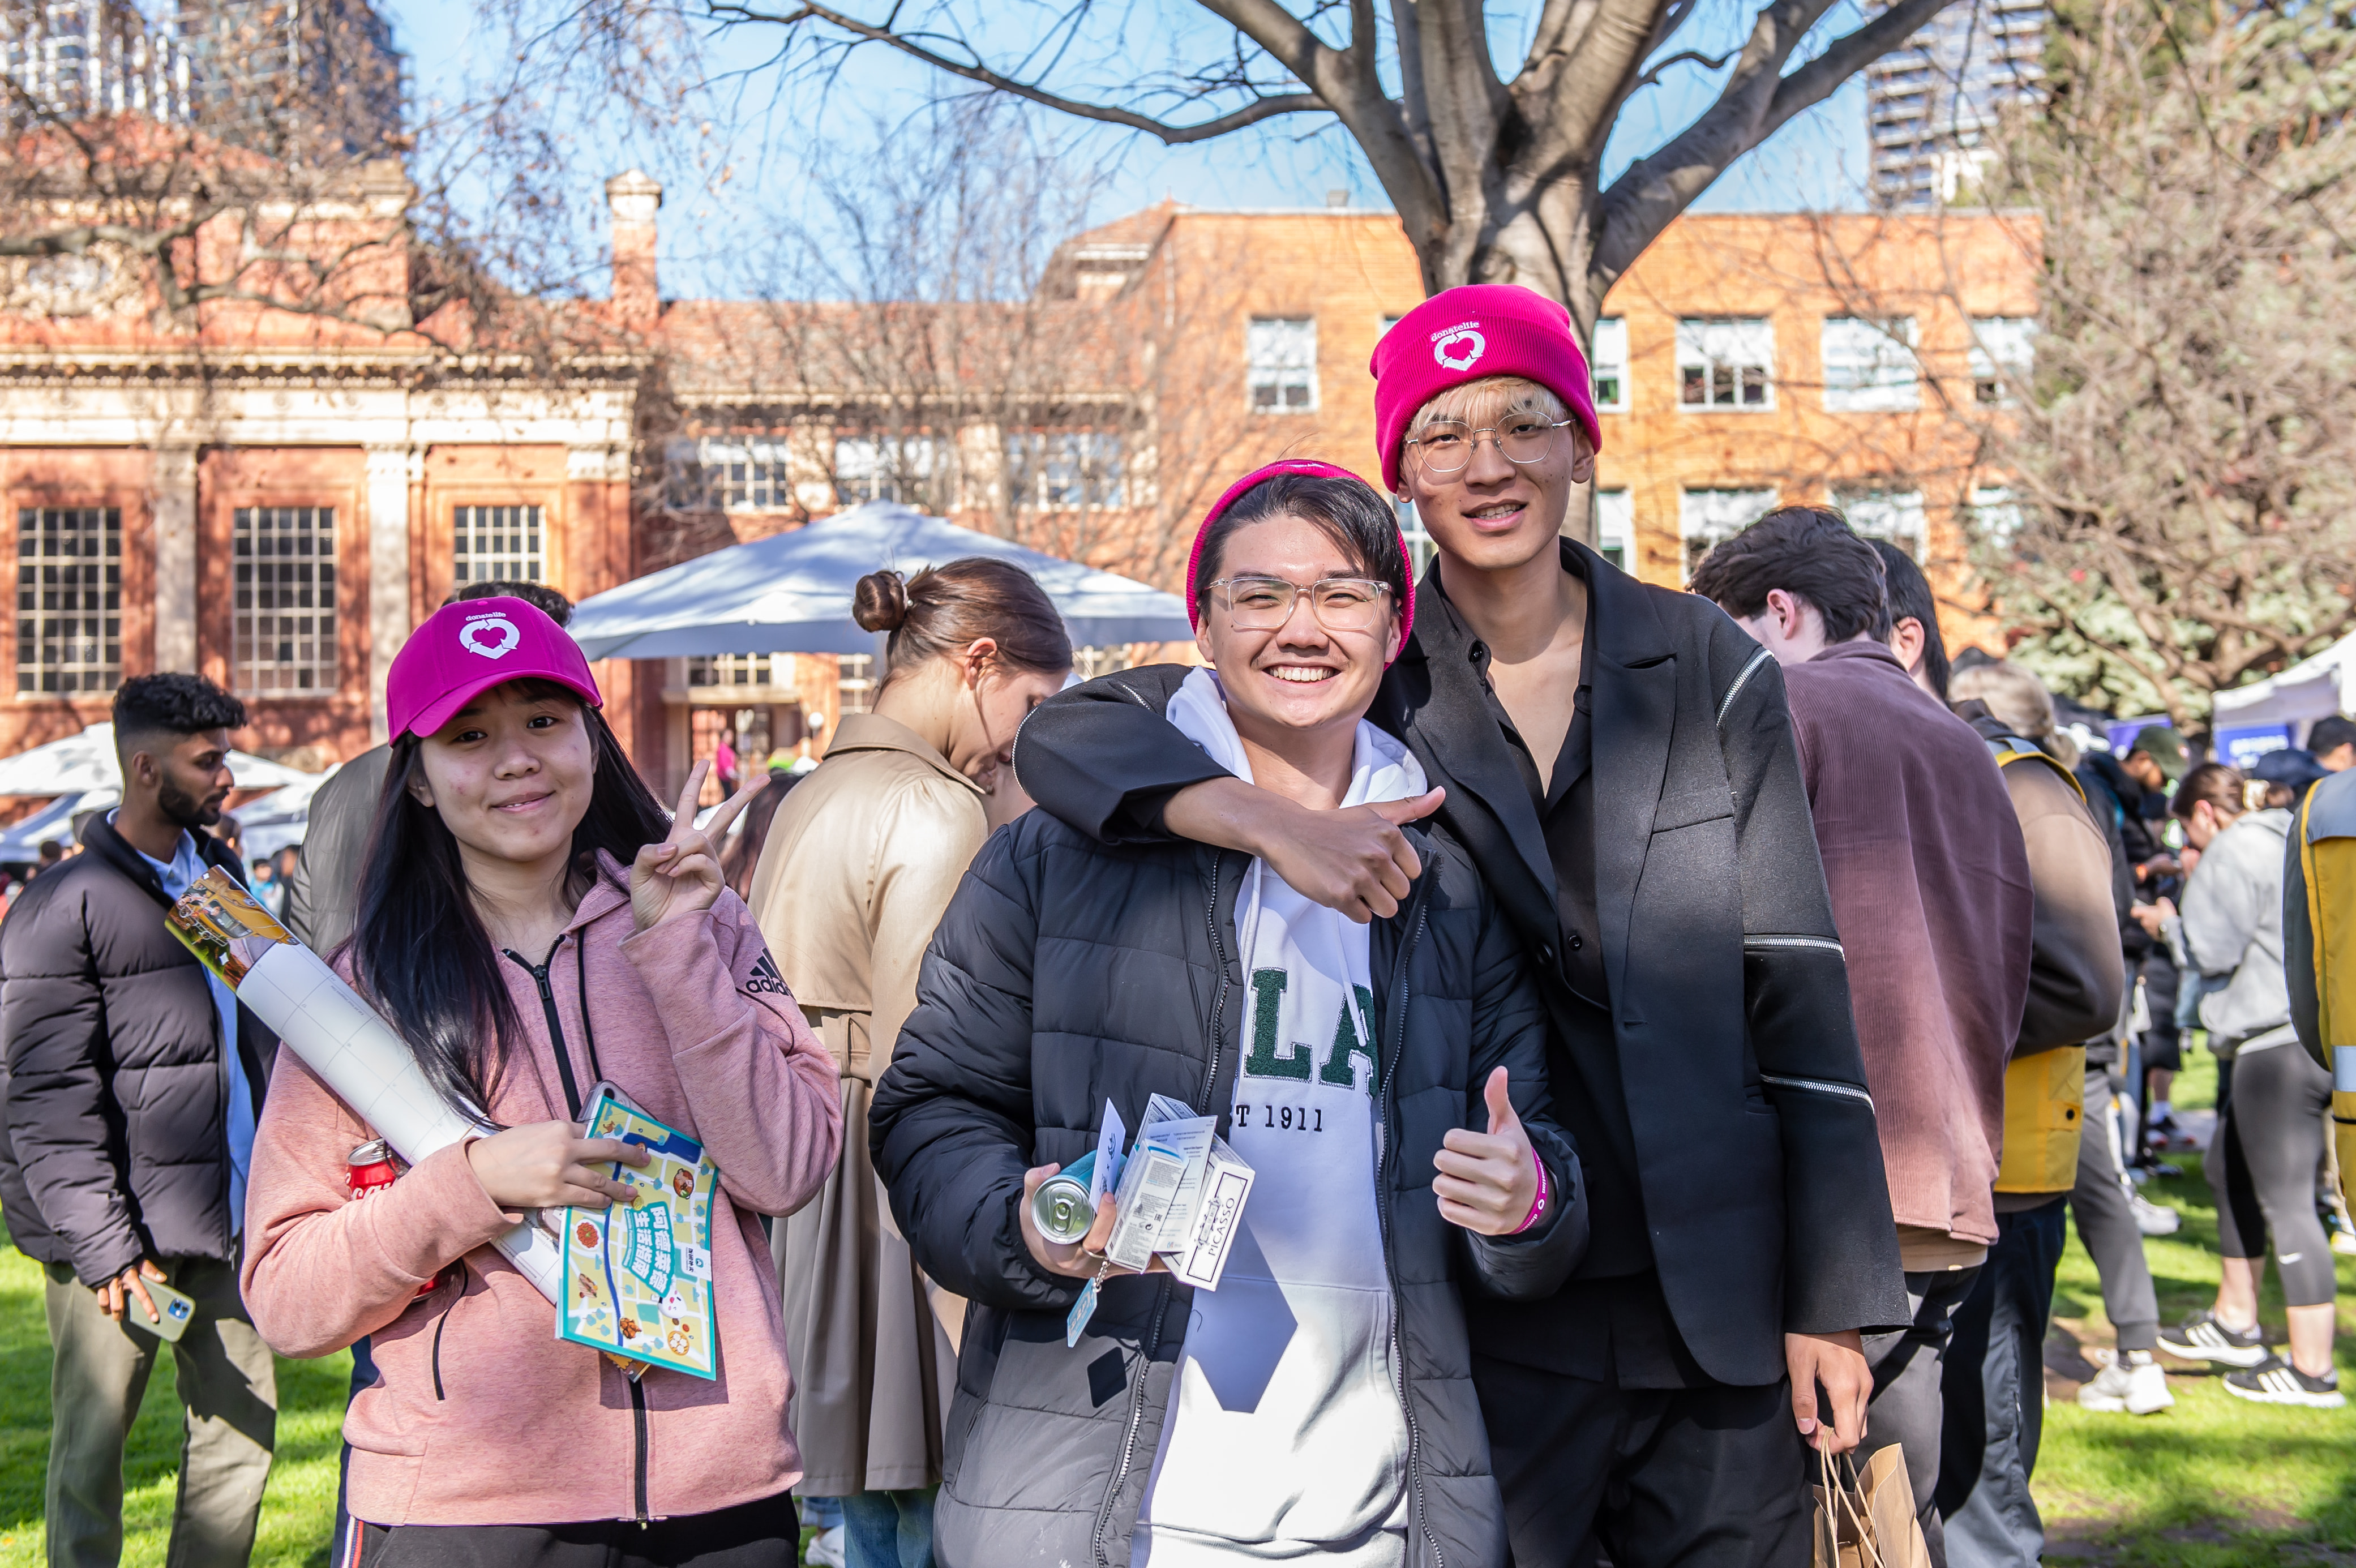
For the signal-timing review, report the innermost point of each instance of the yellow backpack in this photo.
(2326, 859)
(2044, 1094)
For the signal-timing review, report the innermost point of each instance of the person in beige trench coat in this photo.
(861, 860)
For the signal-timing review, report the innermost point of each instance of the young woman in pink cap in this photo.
(1384, 1081)
(530, 924)
(1618, 760)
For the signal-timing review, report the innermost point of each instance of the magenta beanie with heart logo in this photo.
(467, 647)
(1470, 334)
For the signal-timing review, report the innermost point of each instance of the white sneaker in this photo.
(2131, 1387)
(826, 1552)
(2154, 1219)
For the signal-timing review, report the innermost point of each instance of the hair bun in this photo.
(881, 602)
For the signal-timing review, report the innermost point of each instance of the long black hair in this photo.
(422, 954)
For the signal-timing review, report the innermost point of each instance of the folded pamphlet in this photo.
(1179, 1192)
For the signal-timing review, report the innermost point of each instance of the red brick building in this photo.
(276, 499)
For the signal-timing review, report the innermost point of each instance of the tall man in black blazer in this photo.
(1618, 760)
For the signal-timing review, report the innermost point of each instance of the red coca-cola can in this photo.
(368, 1169)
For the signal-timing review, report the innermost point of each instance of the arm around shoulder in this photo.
(1103, 759)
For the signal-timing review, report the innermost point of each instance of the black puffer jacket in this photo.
(1067, 973)
(117, 1090)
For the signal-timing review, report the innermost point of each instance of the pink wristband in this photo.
(1537, 1209)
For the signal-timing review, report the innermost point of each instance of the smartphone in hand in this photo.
(175, 1310)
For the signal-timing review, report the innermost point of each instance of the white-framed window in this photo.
(1894, 515)
(495, 544)
(1065, 470)
(2004, 352)
(1726, 363)
(1705, 516)
(729, 669)
(283, 640)
(1870, 364)
(1280, 364)
(1611, 365)
(736, 476)
(1418, 538)
(1996, 515)
(885, 468)
(1615, 528)
(68, 599)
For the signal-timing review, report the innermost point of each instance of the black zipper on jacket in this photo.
(1136, 1420)
(1219, 998)
(440, 1323)
(538, 972)
(1395, 1006)
(638, 1419)
(1161, 1296)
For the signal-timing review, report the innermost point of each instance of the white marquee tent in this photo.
(791, 592)
(86, 761)
(2314, 688)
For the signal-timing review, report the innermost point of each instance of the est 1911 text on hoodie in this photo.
(1286, 1437)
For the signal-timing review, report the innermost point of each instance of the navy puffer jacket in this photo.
(1067, 972)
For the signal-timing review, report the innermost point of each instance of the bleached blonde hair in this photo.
(1479, 403)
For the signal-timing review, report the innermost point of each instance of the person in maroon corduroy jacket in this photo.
(1931, 893)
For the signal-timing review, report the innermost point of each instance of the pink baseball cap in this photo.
(466, 649)
(1285, 466)
(1468, 334)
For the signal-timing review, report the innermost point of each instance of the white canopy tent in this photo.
(792, 593)
(2314, 688)
(86, 761)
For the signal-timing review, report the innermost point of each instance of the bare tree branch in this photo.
(1756, 101)
(972, 70)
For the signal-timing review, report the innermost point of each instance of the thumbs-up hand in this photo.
(1488, 1181)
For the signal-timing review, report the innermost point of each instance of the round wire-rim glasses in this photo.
(1264, 603)
(1448, 446)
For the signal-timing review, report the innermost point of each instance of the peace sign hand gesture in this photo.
(680, 875)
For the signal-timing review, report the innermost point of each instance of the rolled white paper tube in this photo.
(366, 1067)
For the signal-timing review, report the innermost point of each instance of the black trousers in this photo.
(1909, 1401)
(1993, 1391)
(2273, 1145)
(1657, 1477)
(763, 1534)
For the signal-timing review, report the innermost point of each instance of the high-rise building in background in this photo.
(298, 80)
(1930, 107)
(89, 57)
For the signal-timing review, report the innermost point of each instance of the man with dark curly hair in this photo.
(133, 1083)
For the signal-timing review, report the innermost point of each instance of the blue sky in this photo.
(1817, 162)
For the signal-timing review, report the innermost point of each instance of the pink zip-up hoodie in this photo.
(479, 1413)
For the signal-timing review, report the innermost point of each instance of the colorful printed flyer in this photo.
(639, 1276)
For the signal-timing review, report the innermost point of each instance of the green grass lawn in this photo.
(298, 1511)
(2215, 1483)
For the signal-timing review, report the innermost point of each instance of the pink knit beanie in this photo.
(1227, 497)
(1467, 334)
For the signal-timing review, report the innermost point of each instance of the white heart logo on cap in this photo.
(1466, 340)
(491, 636)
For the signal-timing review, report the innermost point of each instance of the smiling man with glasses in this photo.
(1617, 759)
